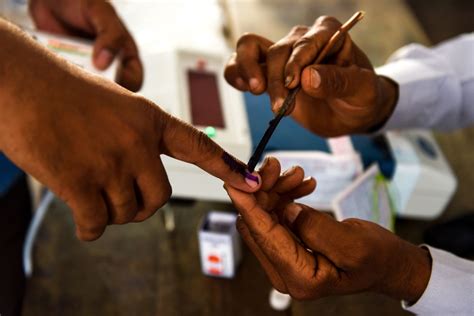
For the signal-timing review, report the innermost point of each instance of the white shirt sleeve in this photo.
(450, 290)
(436, 85)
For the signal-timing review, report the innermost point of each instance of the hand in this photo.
(276, 192)
(98, 20)
(92, 142)
(310, 255)
(342, 96)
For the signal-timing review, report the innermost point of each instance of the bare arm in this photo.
(94, 143)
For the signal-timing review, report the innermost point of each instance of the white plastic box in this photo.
(219, 244)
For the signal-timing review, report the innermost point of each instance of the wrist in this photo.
(388, 91)
(410, 273)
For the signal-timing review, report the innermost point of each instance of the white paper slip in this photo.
(366, 198)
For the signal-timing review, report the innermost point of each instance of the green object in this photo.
(210, 131)
(381, 183)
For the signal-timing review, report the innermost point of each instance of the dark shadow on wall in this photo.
(443, 19)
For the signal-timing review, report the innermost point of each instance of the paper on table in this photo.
(366, 198)
(333, 173)
(75, 50)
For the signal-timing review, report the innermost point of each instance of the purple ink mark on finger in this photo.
(251, 177)
(233, 164)
(239, 167)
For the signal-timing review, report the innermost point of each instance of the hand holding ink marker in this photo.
(292, 95)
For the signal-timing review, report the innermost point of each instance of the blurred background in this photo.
(153, 268)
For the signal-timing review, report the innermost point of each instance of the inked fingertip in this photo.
(252, 179)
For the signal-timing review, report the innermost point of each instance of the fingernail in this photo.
(315, 78)
(288, 80)
(104, 58)
(254, 84)
(277, 104)
(252, 179)
(239, 82)
(291, 212)
(289, 171)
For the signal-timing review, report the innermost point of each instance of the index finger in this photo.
(186, 143)
(307, 48)
(251, 51)
(320, 232)
(113, 38)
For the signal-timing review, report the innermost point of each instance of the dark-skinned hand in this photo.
(97, 20)
(310, 255)
(95, 144)
(341, 96)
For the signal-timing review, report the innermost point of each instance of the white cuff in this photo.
(428, 98)
(450, 290)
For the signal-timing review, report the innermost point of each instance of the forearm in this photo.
(31, 78)
(25, 70)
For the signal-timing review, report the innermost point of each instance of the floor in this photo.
(141, 269)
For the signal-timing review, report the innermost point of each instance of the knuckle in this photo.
(307, 43)
(307, 223)
(161, 198)
(127, 215)
(240, 225)
(275, 84)
(326, 19)
(336, 82)
(298, 29)
(87, 236)
(90, 232)
(246, 39)
(119, 35)
(131, 138)
(262, 239)
(299, 293)
(278, 49)
(203, 144)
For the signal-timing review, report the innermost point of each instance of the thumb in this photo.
(184, 142)
(330, 81)
(319, 231)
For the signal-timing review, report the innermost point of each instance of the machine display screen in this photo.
(206, 108)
